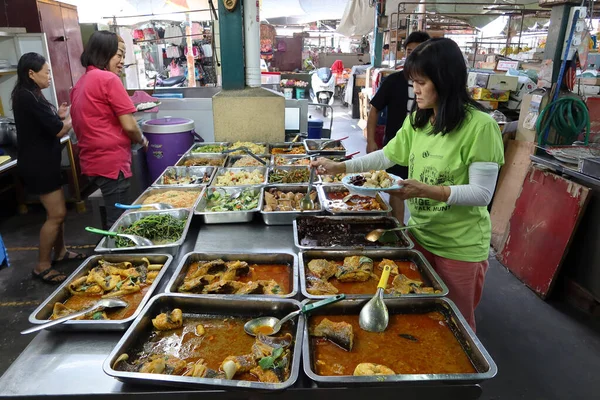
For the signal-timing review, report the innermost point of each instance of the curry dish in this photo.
(204, 346)
(411, 344)
(360, 275)
(335, 201)
(123, 280)
(236, 277)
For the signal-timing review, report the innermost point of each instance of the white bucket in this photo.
(288, 93)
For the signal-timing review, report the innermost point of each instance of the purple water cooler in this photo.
(169, 138)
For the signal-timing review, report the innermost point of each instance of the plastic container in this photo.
(169, 139)
(288, 93)
(268, 78)
(300, 92)
(315, 128)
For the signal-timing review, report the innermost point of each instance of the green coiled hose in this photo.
(567, 116)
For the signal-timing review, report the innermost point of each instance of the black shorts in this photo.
(41, 181)
(399, 170)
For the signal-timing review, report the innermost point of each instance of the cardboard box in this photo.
(525, 86)
(523, 133)
(478, 79)
(505, 65)
(490, 95)
(502, 82)
(492, 105)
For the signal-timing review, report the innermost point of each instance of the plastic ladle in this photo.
(271, 325)
(158, 206)
(137, 240)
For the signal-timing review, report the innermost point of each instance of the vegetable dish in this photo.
(294, 175)
(235, 277)
(253, 147)
(181, 177)
(235, 178)
(360, 275)
(203, 162)
(159, 228)
(123, 280)
(219, 201)
(210, 148)
(210, 347)
(411, 344)
(291, 161)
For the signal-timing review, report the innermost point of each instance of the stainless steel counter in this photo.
(57, 364)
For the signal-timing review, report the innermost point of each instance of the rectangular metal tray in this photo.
(228, 217)
(356, 220)
(312, 145)
(429, 275)
(325, 189)
(154, 190)
(317, 179)
(264, 144)
(197, 145)
(107, 245)
(222, 171)
(186, 157)
(185, 171)
(250, 258)
(232, 159)
(324, 182)
(61, 294)
(225, 306)
(286, 145)
(480, 358)
(288, 157)
(288, 217)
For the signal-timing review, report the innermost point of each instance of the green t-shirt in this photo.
(456, 232)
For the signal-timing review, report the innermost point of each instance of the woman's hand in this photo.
(63, 110)
(412, 188)
(325, 166)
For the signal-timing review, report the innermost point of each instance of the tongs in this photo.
(247, 151)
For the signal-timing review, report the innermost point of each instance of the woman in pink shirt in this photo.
(103, 121)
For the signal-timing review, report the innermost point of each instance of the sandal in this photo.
(70, 256)
(49, 275)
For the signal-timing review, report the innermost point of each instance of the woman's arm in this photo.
(67, 125)
(373, 161)
(132, 129)
(478, 192)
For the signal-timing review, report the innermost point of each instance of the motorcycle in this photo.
(161, 80)
(322, 87)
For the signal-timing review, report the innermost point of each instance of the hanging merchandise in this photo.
(207, 50)
(174, 35)
(150, 34)
(138, 34)
(174, 69)
(195, 51)
(197, 31)
(173, 52)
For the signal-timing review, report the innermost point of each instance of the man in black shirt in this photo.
(395, 93)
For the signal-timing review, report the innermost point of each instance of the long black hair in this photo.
(29, 62)
(441, 60)
(100, 48)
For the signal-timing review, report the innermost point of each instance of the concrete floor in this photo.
(544, 350)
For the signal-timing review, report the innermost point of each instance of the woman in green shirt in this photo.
(453, 150)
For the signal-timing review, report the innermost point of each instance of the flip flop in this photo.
(43, 276)
(66, 257)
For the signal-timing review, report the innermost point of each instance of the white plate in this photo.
(155, 104)
(370, 191)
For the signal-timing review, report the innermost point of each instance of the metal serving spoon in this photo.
(158, 206)
(294, 140)
(328, 142)
(376, 234)
(271, 325)
(247, 151)
(137, 240)
(104, 303)
(374, 315)
(307, 203)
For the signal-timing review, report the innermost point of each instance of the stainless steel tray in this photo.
(154, 190)
(327, 204)
(223, 171)
(225, 306)
(430, 277)
(202, 144)
(232, 160)
(480, 358)
(312, 145)
(288, 217)
(60, 295)
(233, 145)
(183, 172)
(251, 258)
(317, 178)
(228, 217)
(286, 145)
(325, 182)
(107, 245)
(288, 158)
(200, 156)
(362, 226)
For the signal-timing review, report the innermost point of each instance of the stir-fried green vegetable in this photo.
(299, 175)
(220, 201)
(159, 228)
(210, 148)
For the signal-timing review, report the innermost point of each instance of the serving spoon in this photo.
(102, 304)
(137, 240)
(376, 234)
(374, 316)
(158, 206)
(328, 142)
(271, 325)
(307, 203)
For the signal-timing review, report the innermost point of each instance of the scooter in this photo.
(161, 80)
(322, 87)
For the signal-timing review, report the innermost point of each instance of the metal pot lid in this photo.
(168, 125)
